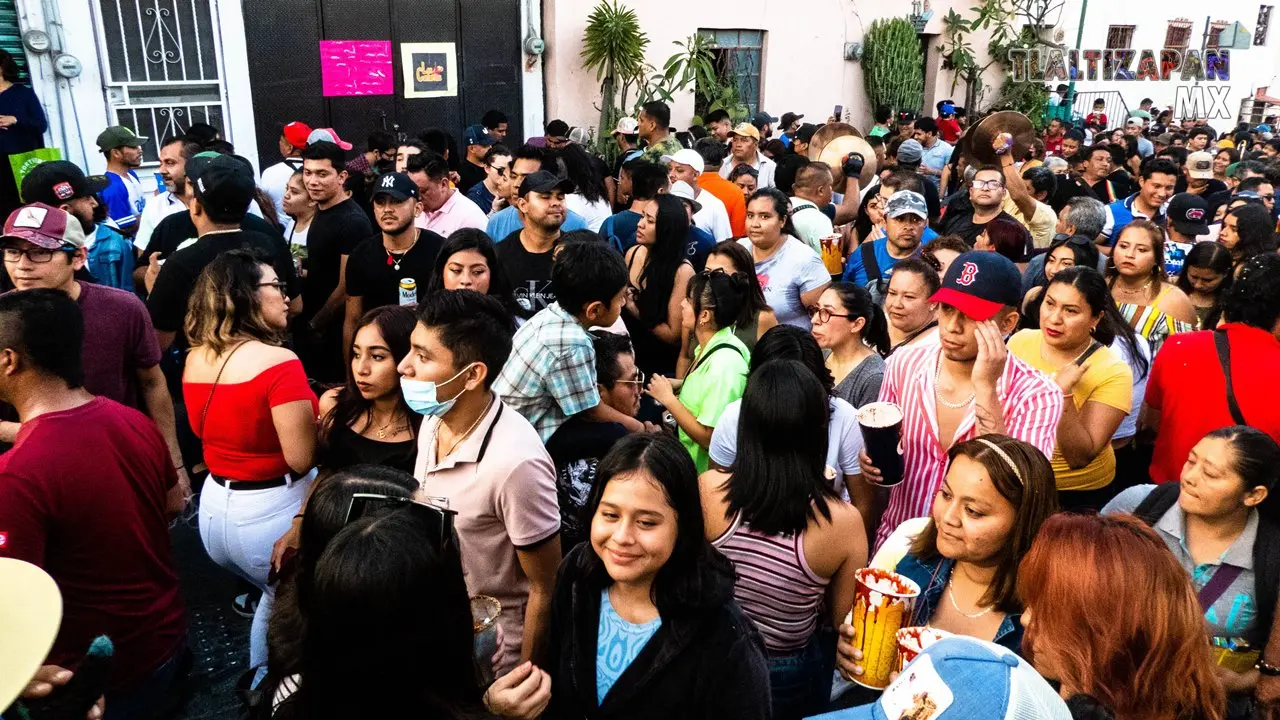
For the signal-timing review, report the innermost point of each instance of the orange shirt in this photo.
(731, 196)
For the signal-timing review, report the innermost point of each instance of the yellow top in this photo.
(1108, 381)
(1042, 225)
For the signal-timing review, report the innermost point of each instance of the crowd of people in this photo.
(518, 430)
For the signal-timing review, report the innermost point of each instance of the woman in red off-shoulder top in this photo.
(249, 402)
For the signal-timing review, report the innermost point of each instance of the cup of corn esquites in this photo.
(914, 640)
(882, 605)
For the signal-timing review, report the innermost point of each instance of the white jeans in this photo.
(239, 529)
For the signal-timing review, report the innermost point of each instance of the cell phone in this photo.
(837, 112)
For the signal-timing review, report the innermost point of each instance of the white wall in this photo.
(1257, 67)
(804, 67)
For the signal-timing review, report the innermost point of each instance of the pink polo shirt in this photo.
(1031, 402)
(502, 483)
(456, 213)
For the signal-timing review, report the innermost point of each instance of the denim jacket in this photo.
(111, 259)
(932, 577)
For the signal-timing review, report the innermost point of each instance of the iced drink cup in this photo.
(881, 424)
(484, 626)
(882, 606)
(914, 640)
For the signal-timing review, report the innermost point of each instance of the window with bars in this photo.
(1178, 35)
(11, 38)
(1264, 24)
(1215, 33)
(1120, 36)
(739, 59)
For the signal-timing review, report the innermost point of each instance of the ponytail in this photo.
(721, 293)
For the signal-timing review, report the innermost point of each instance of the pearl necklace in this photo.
(937, 390)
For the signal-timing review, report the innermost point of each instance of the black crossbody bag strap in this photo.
(1224, 358)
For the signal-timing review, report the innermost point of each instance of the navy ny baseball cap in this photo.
(397, 185)
(979, 283)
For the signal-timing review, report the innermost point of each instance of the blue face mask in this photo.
(420, 395)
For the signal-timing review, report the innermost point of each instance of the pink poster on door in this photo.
(356, 67)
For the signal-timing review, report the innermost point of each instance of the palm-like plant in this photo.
(613, 45)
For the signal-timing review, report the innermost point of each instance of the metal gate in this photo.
(283, 42)
(162, 67)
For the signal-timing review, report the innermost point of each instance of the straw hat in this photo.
(30, 613)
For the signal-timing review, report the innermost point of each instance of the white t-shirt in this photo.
(810, 222)
(844, 438)
(765, 168)
(1129, 426)
(713, 217)
(158, 208)
(595, 213)
(793, 270)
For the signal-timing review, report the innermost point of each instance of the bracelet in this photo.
(1268, 670)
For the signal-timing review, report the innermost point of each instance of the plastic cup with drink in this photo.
(881, 424)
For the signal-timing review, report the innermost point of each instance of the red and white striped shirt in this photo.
(1031, 402)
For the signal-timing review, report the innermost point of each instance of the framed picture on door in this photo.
(430, 69)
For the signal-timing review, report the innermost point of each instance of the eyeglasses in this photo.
(824, 315)
(439, 520)
(37, 255)
(278, 285)
(637, 379)
(988, 184)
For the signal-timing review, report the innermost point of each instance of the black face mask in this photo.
(385, 166)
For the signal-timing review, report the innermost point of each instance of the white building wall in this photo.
(1257, 67)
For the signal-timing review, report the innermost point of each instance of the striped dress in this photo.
(1152, 324)
(775, 588)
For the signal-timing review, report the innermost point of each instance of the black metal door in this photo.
(283, 39)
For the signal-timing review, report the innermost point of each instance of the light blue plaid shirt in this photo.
(551, 374)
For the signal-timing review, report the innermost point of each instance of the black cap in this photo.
(906, 116)
(544, 182)
(806, 132)
(1189, 214)
(788, 118)
(397, 185)
(224, 183)
(58, 181)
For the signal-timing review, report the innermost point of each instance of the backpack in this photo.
(1266, 555)
(878, 286)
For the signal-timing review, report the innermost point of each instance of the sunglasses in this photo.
(438, 520)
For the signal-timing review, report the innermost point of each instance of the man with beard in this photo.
(173, 170)
(905, 218)
(110, 254)
(401, 251)
(527, 253)
(121, 356)
(123, 194)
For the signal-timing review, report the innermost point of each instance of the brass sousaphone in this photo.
(833, 141)
(977, 143)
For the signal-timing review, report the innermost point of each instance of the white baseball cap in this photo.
(692, 158)
(1200, 165)
(627, 126)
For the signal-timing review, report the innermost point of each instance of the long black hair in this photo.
(778, 479)
(478, 240)
(658, 278)
(788, 342)
(1256, 230)
(696, 576)
(395, 324)
(1112, 325)
(1207, 256)
(743, 263)
(581, 169)
(781, 205)
(1083, 250)
(857, 303)
(721, 293)
(382, 591)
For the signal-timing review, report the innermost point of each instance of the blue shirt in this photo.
(111, 259)
(1120, 213)
(618, 642)
(480, 195)
(700, 244)
(124, 206)
(855, 273)
(507, 221)
(932, 576)
(620, 230)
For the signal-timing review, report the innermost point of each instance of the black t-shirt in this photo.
(333, 233)
(529, 273)
(960, 222)
(177, 279)
(1215, 186)
(178, 228)
(371, 277)
(470, 175)
(576, 449)
(1069, 186)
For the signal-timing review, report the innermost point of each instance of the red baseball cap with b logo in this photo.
(979, 283)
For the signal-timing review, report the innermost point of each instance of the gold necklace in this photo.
(382, 431)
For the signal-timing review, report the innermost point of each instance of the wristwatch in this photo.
(1265, 669)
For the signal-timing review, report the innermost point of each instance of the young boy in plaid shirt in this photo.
(551, 374)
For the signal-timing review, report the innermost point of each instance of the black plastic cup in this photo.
(881, 424)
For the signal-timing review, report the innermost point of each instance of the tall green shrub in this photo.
(613, 45)
(893, 65)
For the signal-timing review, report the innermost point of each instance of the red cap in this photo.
(295, 133)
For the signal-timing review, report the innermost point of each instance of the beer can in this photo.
(408, 291)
